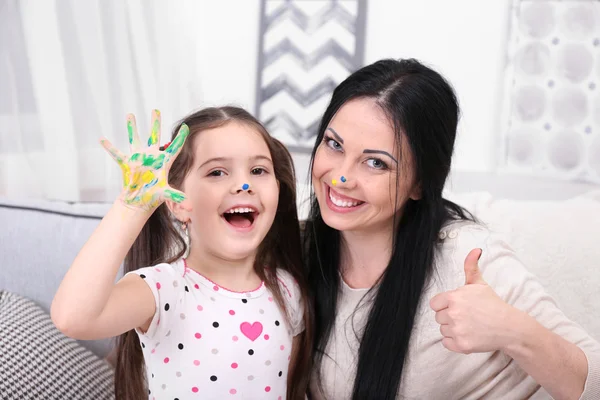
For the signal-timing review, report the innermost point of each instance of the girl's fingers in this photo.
(155, 132)
(134, 138)
(177, 143)
(178, 197)
(112, 150)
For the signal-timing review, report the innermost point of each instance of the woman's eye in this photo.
(216, 172)
(376, 163)
(258, 171)
(333, 144)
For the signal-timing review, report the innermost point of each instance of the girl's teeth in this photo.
(239, 210)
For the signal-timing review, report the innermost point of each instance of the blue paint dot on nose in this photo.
(245, 186)
(343, 179)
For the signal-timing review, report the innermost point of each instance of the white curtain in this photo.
(70, 71)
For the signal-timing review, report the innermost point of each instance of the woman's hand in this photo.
(472, 318)
(146, 169)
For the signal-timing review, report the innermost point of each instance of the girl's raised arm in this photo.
(88, 305)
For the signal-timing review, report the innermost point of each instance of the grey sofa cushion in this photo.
(38, 241)
(39, 362)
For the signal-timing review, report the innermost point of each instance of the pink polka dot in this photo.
(215, 288)
(158, 285)
(279, 398)
(268, 389)
(231, 312)
(196, 286)
(197, 335)
(233, 391)
(270, 299)
(281, 347)
(266, 337)
(196, 363)
(200, 308)
(166, 360)
(195, 389)
(153, 351)
(157, 269)
(235, 338)
(289, 358)
(234, 365)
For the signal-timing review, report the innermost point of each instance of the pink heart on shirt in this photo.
(253, 331)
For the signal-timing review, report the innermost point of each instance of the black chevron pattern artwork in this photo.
(305, 49)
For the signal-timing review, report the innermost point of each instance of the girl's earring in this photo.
(186, 239)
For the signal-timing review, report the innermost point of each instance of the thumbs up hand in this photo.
(473, 318)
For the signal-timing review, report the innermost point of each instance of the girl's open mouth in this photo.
(241, 217)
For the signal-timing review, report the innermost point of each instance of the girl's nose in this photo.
(244, 187)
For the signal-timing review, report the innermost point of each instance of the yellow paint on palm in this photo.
(147, 177)
(147, 198)
(126, 171)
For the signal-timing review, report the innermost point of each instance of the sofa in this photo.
(559, 241)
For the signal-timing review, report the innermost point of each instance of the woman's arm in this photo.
(557, 365)
(517, 317)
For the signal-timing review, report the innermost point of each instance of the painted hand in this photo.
(473, 318)
(146, 169)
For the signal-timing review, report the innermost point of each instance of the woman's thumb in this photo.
(472, 272)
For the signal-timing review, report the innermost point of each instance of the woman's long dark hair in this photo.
(423, 108)
(159, 241)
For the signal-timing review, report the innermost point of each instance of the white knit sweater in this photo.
(433, 372)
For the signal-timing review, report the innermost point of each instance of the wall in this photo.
(463, 39)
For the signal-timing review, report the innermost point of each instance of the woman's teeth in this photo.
(343, 203)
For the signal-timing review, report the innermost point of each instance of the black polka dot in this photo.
(213, 378)
(167, 306)
(143, 346)
(142, 276)
(277, 323)
(180, 346)
(280, 373)
(216, 324)
(176, 398)
(186, 289)
(250, 351)
(149, 392)
(153, 375)
(244, 301)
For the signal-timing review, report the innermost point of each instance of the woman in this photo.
(406, 283)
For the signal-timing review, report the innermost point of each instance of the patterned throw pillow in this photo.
(38, 362)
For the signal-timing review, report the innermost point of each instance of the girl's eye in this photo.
(333, 144)
(376, 163)
(258, 171)
(216, 172)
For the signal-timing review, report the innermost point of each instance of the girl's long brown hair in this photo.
(160, 241)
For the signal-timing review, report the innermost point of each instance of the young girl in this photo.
(220, 307)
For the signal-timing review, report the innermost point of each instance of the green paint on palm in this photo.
(130, 131)
(179, 140)
(177, 197)
(135, 157)
(155, 162)
(153, 139)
